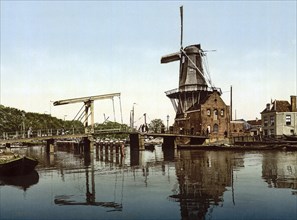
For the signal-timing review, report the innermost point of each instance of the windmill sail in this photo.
(181, 26)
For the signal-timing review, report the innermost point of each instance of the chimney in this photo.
(293, 103)
(268, 107)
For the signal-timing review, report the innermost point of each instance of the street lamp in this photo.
(167, 122)
(132, 117)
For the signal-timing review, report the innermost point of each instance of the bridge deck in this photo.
(42, 138)
(98, 133)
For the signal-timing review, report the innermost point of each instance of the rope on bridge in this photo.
(114, 115)
(78, 113)
(121, 110)
(113, 110)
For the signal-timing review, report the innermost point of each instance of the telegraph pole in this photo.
(231, 103)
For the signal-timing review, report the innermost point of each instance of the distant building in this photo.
(255, 127)
(239, 127)
(279, 117)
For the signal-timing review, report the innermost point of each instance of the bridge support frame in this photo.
(136, 141)
(50, 147)
(85, 145)
(169, 142)
(89, 106)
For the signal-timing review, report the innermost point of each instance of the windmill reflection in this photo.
(203, 177)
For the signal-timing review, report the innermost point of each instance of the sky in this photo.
(53, 50)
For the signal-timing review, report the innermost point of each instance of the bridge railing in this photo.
(39, 133)
(111, 130)
(55, 132)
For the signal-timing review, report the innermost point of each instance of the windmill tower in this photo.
(194, 79)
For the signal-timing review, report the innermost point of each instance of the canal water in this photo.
(153, 184)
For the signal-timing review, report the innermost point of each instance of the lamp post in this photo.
(167, 122)
(132, 117)
(23, 124)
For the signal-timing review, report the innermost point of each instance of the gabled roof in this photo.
(204, 100)
(279, 106)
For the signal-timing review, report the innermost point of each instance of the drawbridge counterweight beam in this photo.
(89, 106)
(86, 99)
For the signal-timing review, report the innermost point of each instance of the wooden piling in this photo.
(50, 147)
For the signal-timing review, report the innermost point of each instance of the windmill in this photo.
(194, 78)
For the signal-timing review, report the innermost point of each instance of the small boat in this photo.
(13, 164)
(290, 137)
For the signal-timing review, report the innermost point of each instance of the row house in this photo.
(279, 117)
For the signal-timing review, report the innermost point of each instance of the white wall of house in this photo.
(286, 123)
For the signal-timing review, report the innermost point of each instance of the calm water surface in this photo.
(154, 184)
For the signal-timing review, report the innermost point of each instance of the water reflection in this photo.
(109, 155)
(189, 184)
(203, 177)
(90, 196)
(279, 169)
(23, 182)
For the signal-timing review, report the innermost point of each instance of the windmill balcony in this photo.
(193, 88)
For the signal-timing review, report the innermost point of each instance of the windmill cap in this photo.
(193, 49)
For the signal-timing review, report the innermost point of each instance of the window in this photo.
(208, 112)
(215, 128)
(288, 119)
(222, 112)
(215, 114)
(271, 120)
(271, 131)
(265, 121)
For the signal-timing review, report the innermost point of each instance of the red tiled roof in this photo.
(279, 106)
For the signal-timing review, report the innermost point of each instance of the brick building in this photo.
(210, 117)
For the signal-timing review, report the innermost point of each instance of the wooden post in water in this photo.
(169, 142)
(136, 141)
(50, 147)
(86, 145)
(7, 146)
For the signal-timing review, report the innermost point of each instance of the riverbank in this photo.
(226, 144)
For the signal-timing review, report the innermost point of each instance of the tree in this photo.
(156, 126)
